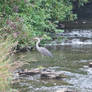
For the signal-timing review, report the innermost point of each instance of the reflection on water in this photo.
(67, 59)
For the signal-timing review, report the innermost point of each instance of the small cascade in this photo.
(77, 37)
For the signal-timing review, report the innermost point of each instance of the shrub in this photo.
(25, 19)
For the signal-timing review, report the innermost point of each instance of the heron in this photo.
(44, 51)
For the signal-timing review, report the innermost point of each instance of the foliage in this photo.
(81, 2)
(25, 19)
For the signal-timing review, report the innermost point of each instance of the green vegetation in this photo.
(81, 2)
(25, 19)
(4, 66)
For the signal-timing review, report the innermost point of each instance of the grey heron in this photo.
(42, 50)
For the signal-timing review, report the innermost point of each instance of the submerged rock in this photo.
(65, 90)
(90, 64)
(62, 90)
(44, 73)
(30, 72)
(48, 74)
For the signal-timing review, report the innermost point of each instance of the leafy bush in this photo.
(25, 19)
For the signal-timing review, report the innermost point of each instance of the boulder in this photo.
(30, 72)
(48, 74)
(65, 90)
(90, 64)
(44, 73)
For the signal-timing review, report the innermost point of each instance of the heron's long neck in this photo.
(37, 44)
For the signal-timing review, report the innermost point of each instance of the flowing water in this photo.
(70, 57)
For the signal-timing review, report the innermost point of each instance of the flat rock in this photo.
(64, 90)
(30, 72)
(90, 64)
(44, 73)
(51, 75)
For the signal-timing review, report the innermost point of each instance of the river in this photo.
(71, 57)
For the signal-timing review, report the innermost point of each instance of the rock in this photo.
(30, 72)
(65, 90)
(62, 90)
(17, 48)
(44, 73)
(51, 75)
(90, 64)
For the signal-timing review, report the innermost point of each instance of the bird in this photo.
(44, 51)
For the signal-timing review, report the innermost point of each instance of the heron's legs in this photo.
(42, 56)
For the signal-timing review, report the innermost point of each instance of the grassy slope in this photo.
(4, 66)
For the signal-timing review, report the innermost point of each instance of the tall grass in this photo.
(5, 65)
